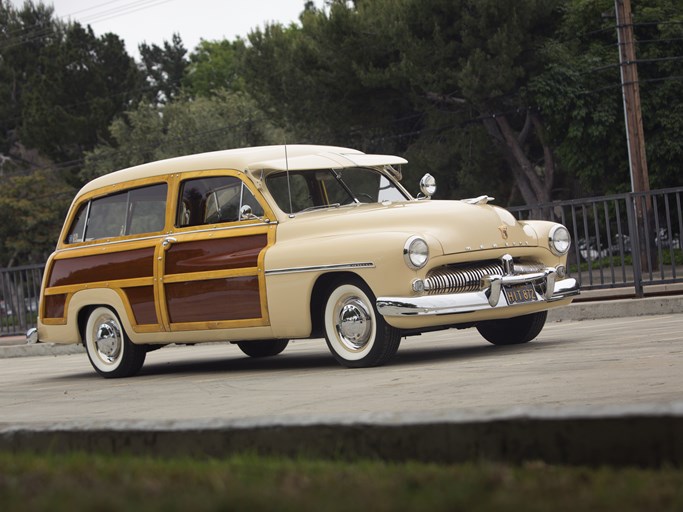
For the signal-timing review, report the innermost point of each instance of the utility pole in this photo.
(635, 138)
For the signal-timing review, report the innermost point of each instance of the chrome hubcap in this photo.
(354, 323)
(108, 340)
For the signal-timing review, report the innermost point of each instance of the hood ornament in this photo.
(478, 200)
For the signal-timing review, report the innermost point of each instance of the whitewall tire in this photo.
(110, 351)
(356, 334)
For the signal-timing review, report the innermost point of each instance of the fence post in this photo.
(633, 230)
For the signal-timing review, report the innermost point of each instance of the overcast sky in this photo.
(154, 21)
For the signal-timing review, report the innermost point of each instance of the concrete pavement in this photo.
(644, 434)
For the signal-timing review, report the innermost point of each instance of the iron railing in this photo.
(620, 241)
(19, 293)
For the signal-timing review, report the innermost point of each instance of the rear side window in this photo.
(132, 212)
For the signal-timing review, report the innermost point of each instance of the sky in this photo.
(153, 21)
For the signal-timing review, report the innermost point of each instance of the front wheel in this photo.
(513, 331)
(263, 348)
(356, 333)
(110, 351)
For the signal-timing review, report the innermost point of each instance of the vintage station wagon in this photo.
(259, 246)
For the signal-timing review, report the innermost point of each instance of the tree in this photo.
(185, 126)
(327, 80)
(411, 76)
(164, 69)
(215, 66)
(61, 85)
(32, 209)
(21, 39)
(580, 95)
(85, 82)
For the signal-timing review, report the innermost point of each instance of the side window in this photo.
(107, 217)
(135, 211)
(214, 200)
(146, 209)
(77, 231)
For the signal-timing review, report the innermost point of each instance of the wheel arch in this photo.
(321, 289)
(84, 302)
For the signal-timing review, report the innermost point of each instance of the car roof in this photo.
(260, 158)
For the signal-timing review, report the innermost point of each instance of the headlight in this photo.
(416, 252)
(559, 240)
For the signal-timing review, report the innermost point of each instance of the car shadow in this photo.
(322, 359)
(409, 355)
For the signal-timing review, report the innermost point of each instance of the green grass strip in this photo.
(30, 482)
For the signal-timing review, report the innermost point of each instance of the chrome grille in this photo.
(467, 277)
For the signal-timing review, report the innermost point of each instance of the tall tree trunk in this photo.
(533, 187)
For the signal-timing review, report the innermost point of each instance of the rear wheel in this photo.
(110, 351)
(513, 331)
(263, 348)
(356, 333)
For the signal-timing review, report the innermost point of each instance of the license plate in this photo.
(520, 293)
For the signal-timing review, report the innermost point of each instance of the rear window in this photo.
(132, 212)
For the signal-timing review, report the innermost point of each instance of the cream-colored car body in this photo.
(302, 252)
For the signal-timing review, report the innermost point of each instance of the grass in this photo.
(615, 261)
(30, 482)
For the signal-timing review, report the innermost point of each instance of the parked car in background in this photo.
(259, 246)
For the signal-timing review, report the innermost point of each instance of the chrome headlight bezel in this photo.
(559, 240)
(416, 252)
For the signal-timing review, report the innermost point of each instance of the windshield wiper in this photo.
(320, 207)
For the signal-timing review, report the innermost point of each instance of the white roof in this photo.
(327, 160)
(290, 157)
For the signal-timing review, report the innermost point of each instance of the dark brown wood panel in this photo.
(215, 254)
(109, 266)
(235, 298)
(54, 305)
(141, 299)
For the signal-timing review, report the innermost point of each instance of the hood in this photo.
(459, 227)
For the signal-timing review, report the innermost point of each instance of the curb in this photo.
(39, 349)
(642, 436)
(601, 309)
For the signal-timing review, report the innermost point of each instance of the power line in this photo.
(24, 36)
(122, 10)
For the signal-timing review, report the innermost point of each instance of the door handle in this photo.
(167, 242)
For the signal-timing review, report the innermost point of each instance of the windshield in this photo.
(298, 191)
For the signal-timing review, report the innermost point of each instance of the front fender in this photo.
(293, 267)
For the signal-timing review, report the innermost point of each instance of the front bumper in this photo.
(545, 285)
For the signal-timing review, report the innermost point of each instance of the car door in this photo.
(211, 273)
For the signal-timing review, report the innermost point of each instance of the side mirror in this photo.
(246, 213)
(428, 185)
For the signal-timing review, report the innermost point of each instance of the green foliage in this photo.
(330, 80)
(66, 482)
(163, 68)
(215, 66)
(580, 96)
(60, 86)
(32, 209)
(151, 132)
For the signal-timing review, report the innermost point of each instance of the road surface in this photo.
(572, 364)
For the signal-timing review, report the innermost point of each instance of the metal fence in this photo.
(621, 241)
(19, 293)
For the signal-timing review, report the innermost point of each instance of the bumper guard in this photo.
(490, 296)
